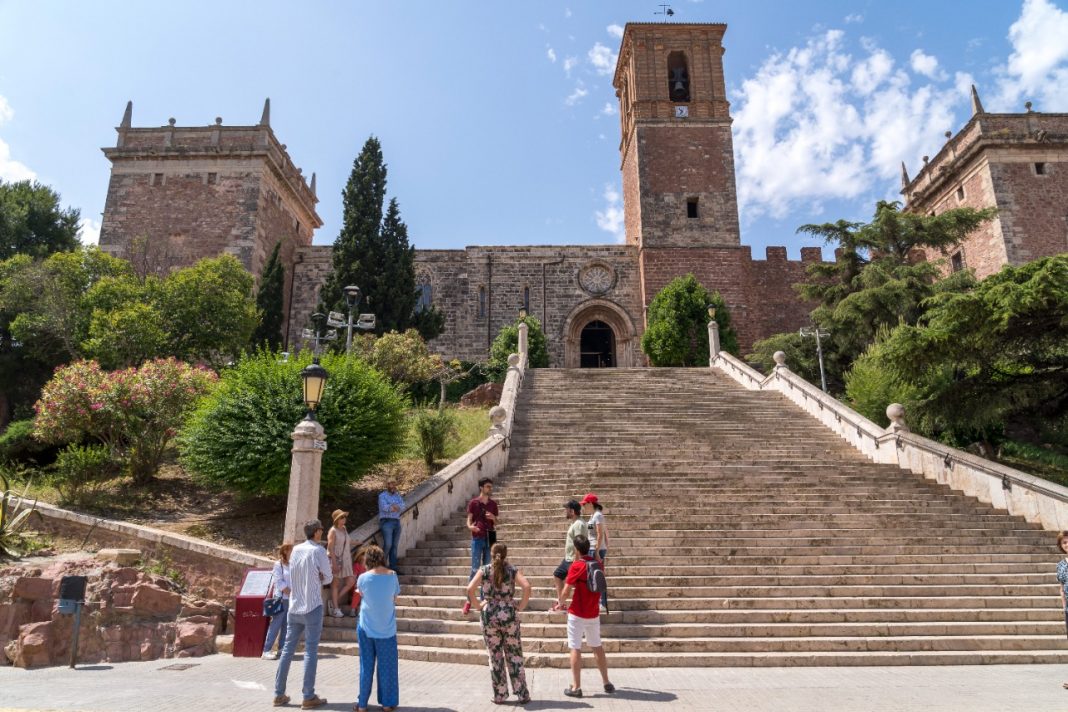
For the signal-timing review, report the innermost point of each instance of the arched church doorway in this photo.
(597, 346)
(600, 333)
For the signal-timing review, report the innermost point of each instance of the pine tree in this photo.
(394, 298)
(269, 302)
(355, 246)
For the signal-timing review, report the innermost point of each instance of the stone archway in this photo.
(610, 315)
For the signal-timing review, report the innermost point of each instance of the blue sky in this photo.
(498, 120)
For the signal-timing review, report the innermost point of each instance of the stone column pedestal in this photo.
(309, 443)
(713, 341)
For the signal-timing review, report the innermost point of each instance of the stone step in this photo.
(618, 581)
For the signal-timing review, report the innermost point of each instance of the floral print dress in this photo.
(500, 629)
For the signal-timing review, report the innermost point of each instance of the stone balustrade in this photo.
(1031, 497)
(439, 497)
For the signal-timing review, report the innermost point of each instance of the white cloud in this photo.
(608, 109)
(926, 64)
(569, 64)
(816, 123)
(1037, 69)
(853, 18)
(89, 231)
(602, 59)
(577, 95)
(567, 12)
(615, 31)
(551, 54)
(611, 218)
(11, 170)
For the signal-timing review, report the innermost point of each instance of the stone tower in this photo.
(676, 149)
(178, 194)
(1017, 163)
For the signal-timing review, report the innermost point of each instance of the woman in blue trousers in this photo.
(280, 584)
(377, 630)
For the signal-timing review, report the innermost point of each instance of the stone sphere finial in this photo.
(948, 134)
(171, 121)
(218, 121)
(497, 415)
(1028, 105)
(513, 360)
(896, 413)
(926, 159)
(780, 358)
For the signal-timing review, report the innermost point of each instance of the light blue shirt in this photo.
(309, 571)
(281, 579)
(378, 611)
(387, 500)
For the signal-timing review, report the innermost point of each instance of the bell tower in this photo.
(676, 149)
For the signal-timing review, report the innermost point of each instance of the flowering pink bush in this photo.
(135, 412)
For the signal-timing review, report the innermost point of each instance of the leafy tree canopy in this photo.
(677, 331)
(32, 222)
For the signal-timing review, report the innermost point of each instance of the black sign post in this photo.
(71, 599)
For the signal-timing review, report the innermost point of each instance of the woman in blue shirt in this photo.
(377, 630)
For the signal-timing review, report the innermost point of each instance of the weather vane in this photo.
(665, 10)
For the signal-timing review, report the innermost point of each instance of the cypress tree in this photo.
(355, 247)
(395, 296)
(269, 301)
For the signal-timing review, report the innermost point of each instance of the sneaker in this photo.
(281, 700)
(573, 692)
(313, 702)
(270, 655)
(336, 613)
(467, 608)
(609, 688)
(355, 612)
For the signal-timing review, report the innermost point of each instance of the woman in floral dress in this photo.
(500, 622)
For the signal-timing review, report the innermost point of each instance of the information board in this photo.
(257, 583)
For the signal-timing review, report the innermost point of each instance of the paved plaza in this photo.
(223, 683)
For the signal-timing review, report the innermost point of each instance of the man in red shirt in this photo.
(482, 514)
(583, 619)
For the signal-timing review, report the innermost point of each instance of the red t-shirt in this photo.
(478, 510)
(584, 603)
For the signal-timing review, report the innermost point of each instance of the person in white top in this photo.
(597, 534)
(280, 585)
(309, 571)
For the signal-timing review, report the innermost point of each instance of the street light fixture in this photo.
(315, 377)
(819, 334)
(711, 312)
(352, 298)
(522, 311)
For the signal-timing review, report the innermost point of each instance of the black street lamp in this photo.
(314, 377)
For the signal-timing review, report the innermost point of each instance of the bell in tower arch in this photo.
(678, 77)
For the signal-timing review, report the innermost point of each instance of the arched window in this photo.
(425, 293)
(526, 299)
(678, 77)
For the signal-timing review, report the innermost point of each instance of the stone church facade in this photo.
(227, 189)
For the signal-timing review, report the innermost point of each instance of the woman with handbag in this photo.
(277, 606)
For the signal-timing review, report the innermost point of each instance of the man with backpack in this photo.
(586, 579)
(577, 526)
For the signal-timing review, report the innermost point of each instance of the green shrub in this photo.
(17, 444)
(239, 436)
(507, 343)
(677, 331)
(433, 430)
(81, 472)
(14, 513)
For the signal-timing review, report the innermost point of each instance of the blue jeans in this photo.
(309, 625)
(384, 651)
(277, 629)
(480, 556)
(603, 553)
(391, 530)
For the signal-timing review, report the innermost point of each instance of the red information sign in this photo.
(250, 625)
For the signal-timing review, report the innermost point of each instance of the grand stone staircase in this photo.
(741, 533)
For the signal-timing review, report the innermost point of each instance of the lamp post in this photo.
(713, 335)
(807, 331)
(309, 444)
(352, 298)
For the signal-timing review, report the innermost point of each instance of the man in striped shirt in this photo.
(309, 571)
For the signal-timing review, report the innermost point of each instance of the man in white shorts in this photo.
(583, 619)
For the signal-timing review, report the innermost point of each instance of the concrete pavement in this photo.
(224, 683)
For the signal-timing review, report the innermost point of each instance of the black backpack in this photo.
(595, 580)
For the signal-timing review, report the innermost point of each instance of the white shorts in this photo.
(578, 627)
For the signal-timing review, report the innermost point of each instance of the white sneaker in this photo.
(336, 613)
(270, 655)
